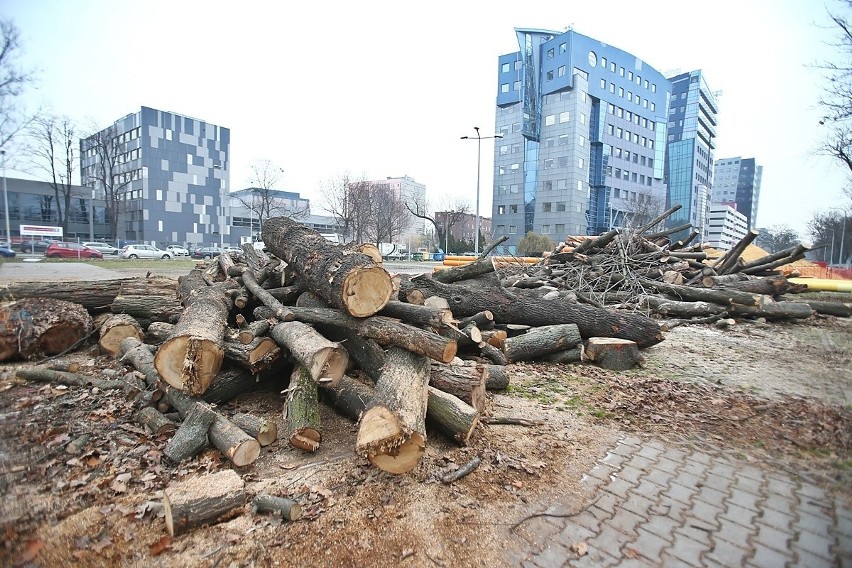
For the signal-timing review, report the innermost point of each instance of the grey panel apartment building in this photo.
(172, 174)
(738, 180)
(584, 131)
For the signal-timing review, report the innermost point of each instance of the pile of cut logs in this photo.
(393, 352)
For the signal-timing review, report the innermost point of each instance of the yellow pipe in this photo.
(824, 284)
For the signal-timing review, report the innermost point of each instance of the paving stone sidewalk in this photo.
(658, 504)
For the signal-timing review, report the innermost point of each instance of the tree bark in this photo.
(154, 420)
(114, 329)
(191, 357)
(839, 309)
(191, 437)
(166, 308)
(255, 356)
(301, 412)
(496, 377)
(612, 353)
(34, 327)
(349, 396)
(261, 429)
(392, 433)
(423, 316)
(451, 415)
(347, 280)
(519, 308)
(158, 331)
(541, 341)
(287, 509)
(481, 265)
(325, 360)
(466, 383)
(201, 500)
(94, 295)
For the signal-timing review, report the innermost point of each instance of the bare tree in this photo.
(52, 146)
(777, 238)
(837, 93)
(348, 200)
(639, 212)
(110, 175)
(389, 217)
(13, 81)
(454, 210)
(264, 201)
(833, 229)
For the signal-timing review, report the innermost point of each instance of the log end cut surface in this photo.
(189, 363)
(382, 437)
(366, 290)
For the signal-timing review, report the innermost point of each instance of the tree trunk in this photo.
(392, 433)
(154, 420)
(191, 357)
(263, 430)
(191, 437)
(349, 396)
(519, 308)
(163, 308)
(158, 331)
(347, 280)
(451, 415)
(33, 327)
(839, 309)
(256, 356)
(301, 412)
(114, 329)
(423, 316)
(287, 509)
(496, 377)
(94, 295)
(203, 499)
(466, 383)
(541, 341)
(612, 353)
(325, 360)
(481, 265)
(386, 331)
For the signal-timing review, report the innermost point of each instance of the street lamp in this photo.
(6, 201)
(479, 140)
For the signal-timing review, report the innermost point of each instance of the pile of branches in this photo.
(650, 273)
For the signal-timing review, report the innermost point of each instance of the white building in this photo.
(725, 226)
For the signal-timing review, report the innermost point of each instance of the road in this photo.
(31, 269)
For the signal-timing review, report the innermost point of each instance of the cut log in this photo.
(282, 507)
(255, 356)
(158, 331)
(281, 311)
(33, 327)
(252, 330)
(774, 310)
(496, 377)
(115, 328)
(732, 257)
(424, 316)
(263, 430)
(479, 266)
(392, 433)
(839, 309)
(191, 357)
(148, 307)
(493, 354)
(712, 295)
(540, 341)
(384, 330)
(495, 337)
(203, 499)
(191, 437)
(666, 307)
(451, 415)
(568, 356)
(519, 308)
(94, 295)
(483, 320)
(228, 384)
(154, 420)
(301, 411)
(349, 396)
(771, 286)
(366, 353)
(348, 280)
(466, 383)
(325, 360)
(613, 353)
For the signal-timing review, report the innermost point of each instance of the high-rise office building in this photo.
(738, 180)
(725, 225)
(692, 120)
(584, 132)
(169, 174)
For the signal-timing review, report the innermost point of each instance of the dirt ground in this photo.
(773, 392)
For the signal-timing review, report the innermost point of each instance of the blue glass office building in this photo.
(691, 140)
(584, 132)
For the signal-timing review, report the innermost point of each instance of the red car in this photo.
(71, 250)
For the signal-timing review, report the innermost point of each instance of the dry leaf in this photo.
(160, 546)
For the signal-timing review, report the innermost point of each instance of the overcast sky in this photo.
(380, 89)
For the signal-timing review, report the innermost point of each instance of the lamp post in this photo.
(479, 140)
(6, 201)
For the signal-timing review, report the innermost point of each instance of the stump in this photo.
(202, 499)
(115, 328)
(613, 353)
(41, 326)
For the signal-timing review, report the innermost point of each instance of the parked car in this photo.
(143, 251)
(177, 250)
(71, 250)
(34, 246)
(105, 248)
(6, 252)
(206, 252)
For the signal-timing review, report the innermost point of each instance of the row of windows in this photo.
(548, 185)
(562, 162)
(630, 116)
(504, 87)
(630, 76)
(128, 156)
(627, 175)
(126, 177)
(630, 96)
(550, 119)
(627, 155)
(507, 66)
(631, 195)
(643, 141)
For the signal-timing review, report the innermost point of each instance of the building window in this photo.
(504, 149)
(653, 107)
(629, 96)
(549, 164)
(646, 83)
(563, 47)
(603, 84)
(545, 229)
(516, 127)
(581, 163)
(513, 188)
(582, 141)
(504, 88)
(582, 118)
(550, 53)
(549, 76)
(513, 208)
(501, 209)
(620, 112)
(562, 184)
(560, 206)
(620, 92)
(621, 71)
(513, 229)
(501, 229)
(612, 66)
(517, 85)
(505, 68)
(562, 161)
(548, 186)
(550, 120)
(560, 228)
(610, 108)
(630, 75)
(653, 87)
(549, 142)
(545, 207)
(579, 185)
(612, 87)
(564, 116)
(609, 129)
(561, 71)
